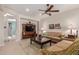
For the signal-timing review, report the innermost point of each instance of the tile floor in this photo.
(22, 47)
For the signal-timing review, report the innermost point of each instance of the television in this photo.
(29, 28)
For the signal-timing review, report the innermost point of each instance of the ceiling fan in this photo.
(49, 10)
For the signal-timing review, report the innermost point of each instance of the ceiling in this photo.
(34, 13)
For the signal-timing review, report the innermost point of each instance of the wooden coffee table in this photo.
(40, 42)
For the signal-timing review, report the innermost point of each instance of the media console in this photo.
(28, 30)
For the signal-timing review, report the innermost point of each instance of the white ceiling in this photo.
(34, 13)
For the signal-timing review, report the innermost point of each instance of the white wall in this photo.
(1, 29)
(65, 19)
(19, 22)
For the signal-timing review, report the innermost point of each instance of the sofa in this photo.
(58, 36)
(54, 36)
(63, 47)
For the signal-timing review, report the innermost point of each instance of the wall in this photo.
(1, 29)
(65, 19)
(12, 12)
(20, 21)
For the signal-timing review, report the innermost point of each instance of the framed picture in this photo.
(51, 26)
(57, 26)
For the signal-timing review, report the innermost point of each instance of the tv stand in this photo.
(28, 34)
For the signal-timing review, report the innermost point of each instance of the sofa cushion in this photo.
(51, 50)
(54, 48)
(54, 34)
(64, 44)
(60, 46)
(73, 49)
(54, 39)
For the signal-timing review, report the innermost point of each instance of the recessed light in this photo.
(40, 14)
(27, 9)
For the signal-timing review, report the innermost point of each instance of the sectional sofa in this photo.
(64, 47)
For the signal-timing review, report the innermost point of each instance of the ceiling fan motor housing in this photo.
(47, 4)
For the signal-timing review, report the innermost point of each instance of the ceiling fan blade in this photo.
(41, 10)
(49, 8)
(54, 11)
(42, 13)
(49, 14)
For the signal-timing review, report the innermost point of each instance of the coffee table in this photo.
(40, 40)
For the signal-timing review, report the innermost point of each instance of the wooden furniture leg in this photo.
(41, 46)
(50, 43)
(30, 40)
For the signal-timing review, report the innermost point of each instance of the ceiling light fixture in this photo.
(40, 14)
(27, 9)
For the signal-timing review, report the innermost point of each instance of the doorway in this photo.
(12, 28)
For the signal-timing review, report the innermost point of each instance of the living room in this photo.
(63, 23)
